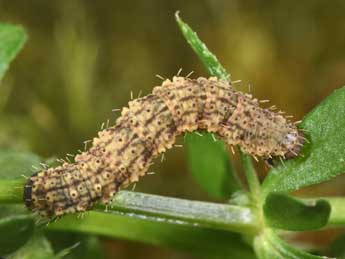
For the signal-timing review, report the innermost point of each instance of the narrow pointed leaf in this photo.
(12, 38)
(209, 60)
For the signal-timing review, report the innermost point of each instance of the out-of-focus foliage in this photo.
(208, 158)
(12, 39)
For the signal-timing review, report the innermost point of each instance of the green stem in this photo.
(252, 178)
(203, 214)
(11, 191)
(158, 208)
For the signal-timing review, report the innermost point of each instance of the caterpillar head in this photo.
(293, 142)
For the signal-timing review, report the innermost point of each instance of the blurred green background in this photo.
(84, 58)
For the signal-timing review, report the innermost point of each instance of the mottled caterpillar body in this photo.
(122, 153)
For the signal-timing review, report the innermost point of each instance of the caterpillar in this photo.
(147, 127)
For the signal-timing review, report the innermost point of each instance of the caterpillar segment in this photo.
(122, 153)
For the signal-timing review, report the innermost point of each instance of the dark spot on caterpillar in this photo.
(123, 153)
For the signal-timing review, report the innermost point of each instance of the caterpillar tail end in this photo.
(27, 194)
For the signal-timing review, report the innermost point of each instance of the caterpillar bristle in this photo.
(179, 72)
(189, 74)
(160, 77)
(236, 82)
(139, 94)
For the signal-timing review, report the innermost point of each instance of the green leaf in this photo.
(324, 157)
(208, 58)
(284, 212)
(15, 231)
(210, 165)
(208, 159)
(337, 217)
(16, 164)
(269, 246)
(215, 69)
(12, 38)
(37, 247)
(84, 246)
(157, 231)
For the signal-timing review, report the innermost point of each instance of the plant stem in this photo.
(11, 191)
(158, 208)
(252, 178)
(204, 214)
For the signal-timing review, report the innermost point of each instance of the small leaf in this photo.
(37, 247)
(287, 213)
(12, 38)
(15, 232)
(324, 157)
(213, 66)
(337, 217)
(210, 165)
(208, 58)
(269, 246)
(89, 247)
(15, 164)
